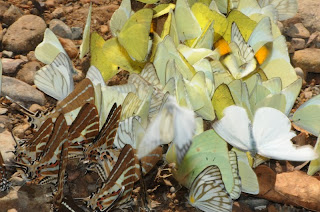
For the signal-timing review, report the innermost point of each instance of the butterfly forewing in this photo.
(207, 191)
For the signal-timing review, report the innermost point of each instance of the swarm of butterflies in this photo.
(223, 61)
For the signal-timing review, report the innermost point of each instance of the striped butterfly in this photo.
(46, 166)
(4, 183)
(118, 187)
(246, 55)
(56, 79)
(69, 106)
(104, 140)
(207, 191)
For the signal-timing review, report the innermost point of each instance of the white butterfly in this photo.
(268, 135)
(56, 79)
(172, 123)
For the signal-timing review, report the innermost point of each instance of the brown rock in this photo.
(59, 28)
(290, 48)
(70, 47)
(104, 29)
(10, 66)
(307, 60)
(27, 72)
(298, 43)
(3, 8)
(298, 31)
(25, 34)
(12, 15)
(21, 91)
(58, 13)
(309, 13)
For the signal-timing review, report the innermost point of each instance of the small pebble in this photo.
(172, 189)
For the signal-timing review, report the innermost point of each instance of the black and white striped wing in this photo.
(207, 191)
(245, 51)
(56, 79)
(236, 190)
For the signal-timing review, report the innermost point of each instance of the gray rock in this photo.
(76, 33)
(57, 13)
(21, 91)
(60, 28)
(25, 34)
(298, 31)
(298, 43)
(12, 15)
(6, 53)
(10, 66)
(309, 13)
(307, 60)
(27, 72)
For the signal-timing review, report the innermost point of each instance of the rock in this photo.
(1, 34)
(104, 29)
(57, 13)
(50, 3)
(76, 33)
(309, 13)
(290, 48)
(3, 110)
(19, 130)
(298, 43)
(6, 53)
(12, 15)
(36, 107)
(5, 121)
(4, 6)
(298, 31)
(299, 72)
(21, 91)
(10, 66)
(25, 34)
(60, 28)
(28, 198)
(31, 56)
(27, 72)
(7, 145)
(70, 47)
(307, 60)
(313, 39)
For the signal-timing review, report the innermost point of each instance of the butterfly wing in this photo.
(207, 191)
(234, 127)
(85, 45)
(272, 134)
(56, 79)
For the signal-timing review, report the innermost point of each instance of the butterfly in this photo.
(268, 135)
(118, 187)
(56, 79)
(85, 45)
(173, 123)
(49, 48)
(207, 192)
(4, 182)
(246, 55)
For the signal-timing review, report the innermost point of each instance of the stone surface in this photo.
(70, 47)
(76, 33)
(298, 31)
(21, 91)
(58, 13)
(12, 15)
(19, 130)
(7, 54)
(308, 10)
(27, 72)
(298, 43)
(7, 145)
(59, 28)
(4, 6)
(104, 29)
(25, 34)
(290, 48)
(10, 66)
(312, 41)
(307, 59)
